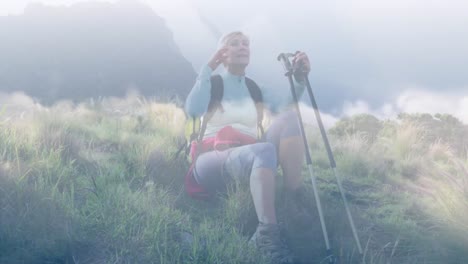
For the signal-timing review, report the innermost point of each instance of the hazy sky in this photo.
(383, 56)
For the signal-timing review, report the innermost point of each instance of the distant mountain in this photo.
(91, 49)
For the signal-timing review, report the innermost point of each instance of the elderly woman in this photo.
(280, 145)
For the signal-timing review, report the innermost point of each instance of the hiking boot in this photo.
(267, 238)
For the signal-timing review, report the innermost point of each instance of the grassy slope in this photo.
(97, 183)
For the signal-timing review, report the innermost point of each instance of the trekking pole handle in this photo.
(284, 58)
(296, 69)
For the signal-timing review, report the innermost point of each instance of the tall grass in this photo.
(97, 182)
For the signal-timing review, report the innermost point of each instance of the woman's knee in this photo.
(285, 125)
(265, 155)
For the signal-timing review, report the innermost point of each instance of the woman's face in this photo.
(238, 53)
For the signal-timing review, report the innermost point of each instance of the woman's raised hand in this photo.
(218, 58)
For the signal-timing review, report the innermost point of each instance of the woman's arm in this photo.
(275, 100)
(198, 99)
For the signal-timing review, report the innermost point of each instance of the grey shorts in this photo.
(214, 169)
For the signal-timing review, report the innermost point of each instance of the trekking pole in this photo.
(289, 73)
(332, 160)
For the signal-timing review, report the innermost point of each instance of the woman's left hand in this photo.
(302, 61)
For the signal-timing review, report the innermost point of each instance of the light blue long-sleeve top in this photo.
(239, 109)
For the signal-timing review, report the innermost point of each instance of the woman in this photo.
(281, 144)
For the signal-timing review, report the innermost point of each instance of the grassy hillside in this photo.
(98, 183)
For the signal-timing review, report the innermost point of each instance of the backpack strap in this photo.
(257, 97)
(217, 92)
(216, 95)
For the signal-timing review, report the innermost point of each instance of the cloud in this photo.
(414, 100)
(420, 101)
(308, 117)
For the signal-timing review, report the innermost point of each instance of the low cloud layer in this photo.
(415, 101)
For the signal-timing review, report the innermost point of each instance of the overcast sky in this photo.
(382, 57)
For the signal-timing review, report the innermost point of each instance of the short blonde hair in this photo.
(227, 37)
